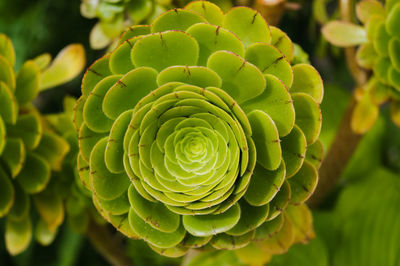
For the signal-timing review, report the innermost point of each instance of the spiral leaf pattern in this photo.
(196, 129)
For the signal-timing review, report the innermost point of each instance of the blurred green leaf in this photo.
(367, 219)
(344, 34)
(66, 66)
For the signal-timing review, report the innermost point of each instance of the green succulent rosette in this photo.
(197, 130)
(31, 153)
(381, 54)
(378, 51)
(115, 15)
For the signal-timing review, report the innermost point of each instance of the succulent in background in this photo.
(198, 130)
(379, 51)
(75, 196)
(116, 15)
(30, 151)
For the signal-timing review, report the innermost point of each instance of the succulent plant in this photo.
(78, 207)
(379, 51)
(197, 129)
(30, 151)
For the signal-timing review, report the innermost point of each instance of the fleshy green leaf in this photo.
(154, 214)
(9, 106)
(7, 49)
(280, 201)
(18, 235)
(106, 185)
(96, 72)
(42, 61)
(269, 228)
(250, 218)
(93, 114)
(315, 153)
(117, 206)
(133, 31)
(127, 92)
(393, 20)
(367, 8)
(14, 158)
(210, 11)
(161, 50)
(120, 59)
(7, 193)
(43, 234)
(281, 41)
(7, 73)
(364, 115)
(381, 69)
(194, 75)
(344, 34)
(276, 102)
(155, 237)
(28, 80)
(366, 55)
(210, 224)
(21, 207)
(225, 241)
(34, 175)
(115, 150)
(381, 40)
(50, 206)
(270, 61)
(303, 183)
(394, 53)
(248, 25)
(308, 116)
(266, 139)
(294, 150)
(28, 128)
(240, 79)
(176, 19)
(172, 252)
(213, 38)
(53, 148)
(281, 241)
(264, 185)
(139, 10)
(67, 65)
(253, 255)
(307, 79)
(98, 39)
(302, 222)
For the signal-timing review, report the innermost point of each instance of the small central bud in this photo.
(196, 146)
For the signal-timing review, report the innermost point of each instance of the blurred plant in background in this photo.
(32, 153)
(379, 51)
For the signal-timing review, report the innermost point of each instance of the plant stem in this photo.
(346, 141)
(107, 245)
(340, 153)
(358, 73)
